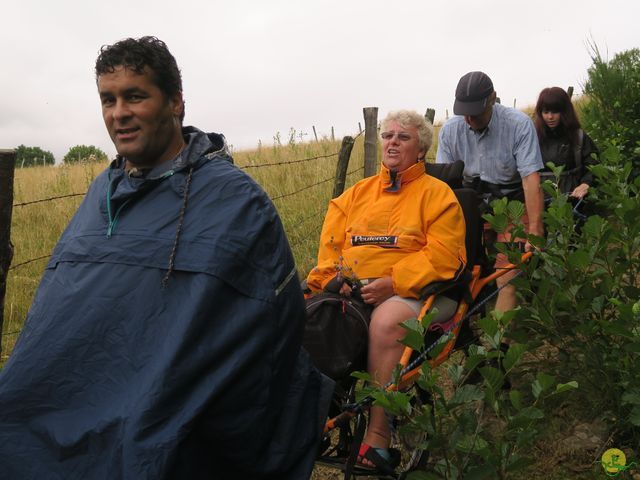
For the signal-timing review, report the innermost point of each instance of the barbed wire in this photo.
(313, 185)
(48, 199)
(58, 197)
(292, 228)
(6, 334)
(305, 219)
(290, 162)
(28, 262)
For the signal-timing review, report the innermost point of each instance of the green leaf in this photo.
(421, 475)
(565, 387)
(513, 355)
(362, 376)
(531, 413)
(412, 325)
(505, 318)
(517, 462)
(414, 336)
(492, 377)
(471, 443)
(499, 222)
(634, 416)
(481, 473)
(447, 469)
(546, 381)
(516, 399)
(499, 206)
(631, 397)
(515, 210)
(593, 226)
(579, 259)
(488, 325)
(473, 361)
(394, 402)
(455, 373)
(465, 394)
(428, 317)
(414, 340)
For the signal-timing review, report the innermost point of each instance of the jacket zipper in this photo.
(113, 219)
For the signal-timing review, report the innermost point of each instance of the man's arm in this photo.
(534, 203)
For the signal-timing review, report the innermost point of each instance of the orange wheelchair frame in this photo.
(341, 439)
(344, 457)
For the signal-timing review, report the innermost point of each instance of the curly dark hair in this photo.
(139, 53)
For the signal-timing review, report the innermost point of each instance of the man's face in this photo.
(480, 121)
(142, 122)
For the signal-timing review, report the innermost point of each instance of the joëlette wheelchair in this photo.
(344, 430)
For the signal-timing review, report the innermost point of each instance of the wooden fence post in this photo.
(343, 163)
(430, 115)
(370, 140)
(7, 168)
(570, 92)
(314, 132)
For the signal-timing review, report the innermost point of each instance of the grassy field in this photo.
(297, 176)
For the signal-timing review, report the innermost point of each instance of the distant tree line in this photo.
(37, 157)
(33, 156)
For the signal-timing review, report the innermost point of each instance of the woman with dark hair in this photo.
(563, 142)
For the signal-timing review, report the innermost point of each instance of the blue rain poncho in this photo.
(119, 375)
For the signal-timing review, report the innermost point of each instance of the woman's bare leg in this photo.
(384, 354)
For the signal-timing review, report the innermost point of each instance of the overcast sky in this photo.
(254, 68)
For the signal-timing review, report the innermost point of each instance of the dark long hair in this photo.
(138, 54)
(555, 99)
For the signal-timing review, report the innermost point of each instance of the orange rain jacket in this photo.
(415, 235)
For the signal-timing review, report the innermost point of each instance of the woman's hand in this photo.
(580, 191)
(345, 289)
(377, 291)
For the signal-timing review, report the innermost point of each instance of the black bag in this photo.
(336, 334)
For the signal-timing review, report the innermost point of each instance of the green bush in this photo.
(33, 157)
(611, 115)
(478, 431)
(583, 294)
(85, 153)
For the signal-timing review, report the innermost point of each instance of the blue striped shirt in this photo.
(505, 152)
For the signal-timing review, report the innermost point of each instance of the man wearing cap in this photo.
(500, 150)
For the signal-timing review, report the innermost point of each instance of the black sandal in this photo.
(377, 458)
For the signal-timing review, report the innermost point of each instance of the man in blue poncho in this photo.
(164, 339)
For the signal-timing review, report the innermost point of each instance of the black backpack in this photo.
(336, 334)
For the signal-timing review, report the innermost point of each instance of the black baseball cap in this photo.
(472, 93)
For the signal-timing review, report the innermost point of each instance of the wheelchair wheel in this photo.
(411, 441)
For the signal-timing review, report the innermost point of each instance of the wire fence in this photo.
(292, 228)
(24, 204)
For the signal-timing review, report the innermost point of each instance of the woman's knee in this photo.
(386, 319)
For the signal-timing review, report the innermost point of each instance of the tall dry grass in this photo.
(300, 185)
(300, 191)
